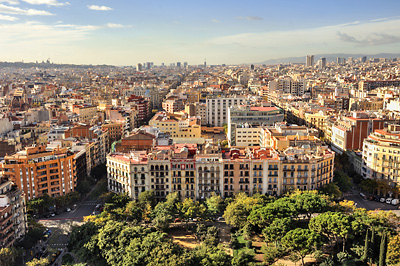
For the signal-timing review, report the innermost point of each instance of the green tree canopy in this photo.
(301, 242)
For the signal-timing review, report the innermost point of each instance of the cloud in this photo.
(46, 2)
(250, 18)
(19, 11)
(10, 2)
(9, 18)
(355, 37)
(99, 8)
(372, 39)
(215, 20)
(114, 26)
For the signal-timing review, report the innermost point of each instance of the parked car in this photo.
(389, 201)
(395, 202)
(382, 200)
(68, 209)
(376, 198)
(362, 195)
(221, 219)
(177, 220)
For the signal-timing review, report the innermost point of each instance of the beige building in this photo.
(86, 113)
(381, 154)
(179, 126)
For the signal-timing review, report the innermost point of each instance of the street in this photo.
(60, 226)
(369, 204)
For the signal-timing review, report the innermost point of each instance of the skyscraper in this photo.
(310, 61)
(322, 63)
(178, 64)
(139, 67)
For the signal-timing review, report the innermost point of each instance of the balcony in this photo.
(6, 227)
(306, 170)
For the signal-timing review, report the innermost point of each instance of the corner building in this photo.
(38, 171)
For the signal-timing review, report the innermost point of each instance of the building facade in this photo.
(37, 171)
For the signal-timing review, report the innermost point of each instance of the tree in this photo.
(209, 256)
(382, 251)
(133, 212)
(301, 242)
(309, 202)
(237, 211)
(8, 256)
(161, 222)
(393, 253)
(365, 256)
(332, 225)
(38, 262)
(190, 209)
(147, 197)
(271, 254)
(332, 190)
(244, 258)
(277, 229)
(214, 204)
(342, 180)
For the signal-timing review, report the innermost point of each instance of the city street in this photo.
(61, 225)
(369, 204)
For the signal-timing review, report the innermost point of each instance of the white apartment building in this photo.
(128, 173)
(217, 109)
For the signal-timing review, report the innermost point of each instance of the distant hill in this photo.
(48, 65)
(329, 58)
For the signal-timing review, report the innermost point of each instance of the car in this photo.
(68, 209)
(382, 200)
(47, 215)
(57, 212)
(221, 219)
(52, 214)
(177, 220)
(389, 201)
(376, 198)
(395, 202)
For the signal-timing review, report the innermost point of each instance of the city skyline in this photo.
(126, 33)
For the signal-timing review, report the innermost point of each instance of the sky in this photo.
(127, 32)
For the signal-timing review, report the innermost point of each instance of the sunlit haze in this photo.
(222, 32)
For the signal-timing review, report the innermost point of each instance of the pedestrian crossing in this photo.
(89, 203)
(58, 245)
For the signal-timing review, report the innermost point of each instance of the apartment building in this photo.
(173, 105)
(13, 220)
(245, 122)
(128, 173)
(381, 154)
(180, 126)
(282, 136)
(115, 130)
(86, 113)
(217, 109)
(198, 110)
(197, 171)
(38, 171)
(348, 133)
(288, 86)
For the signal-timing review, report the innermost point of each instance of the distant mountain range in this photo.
(48, 65)
(329, 58)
